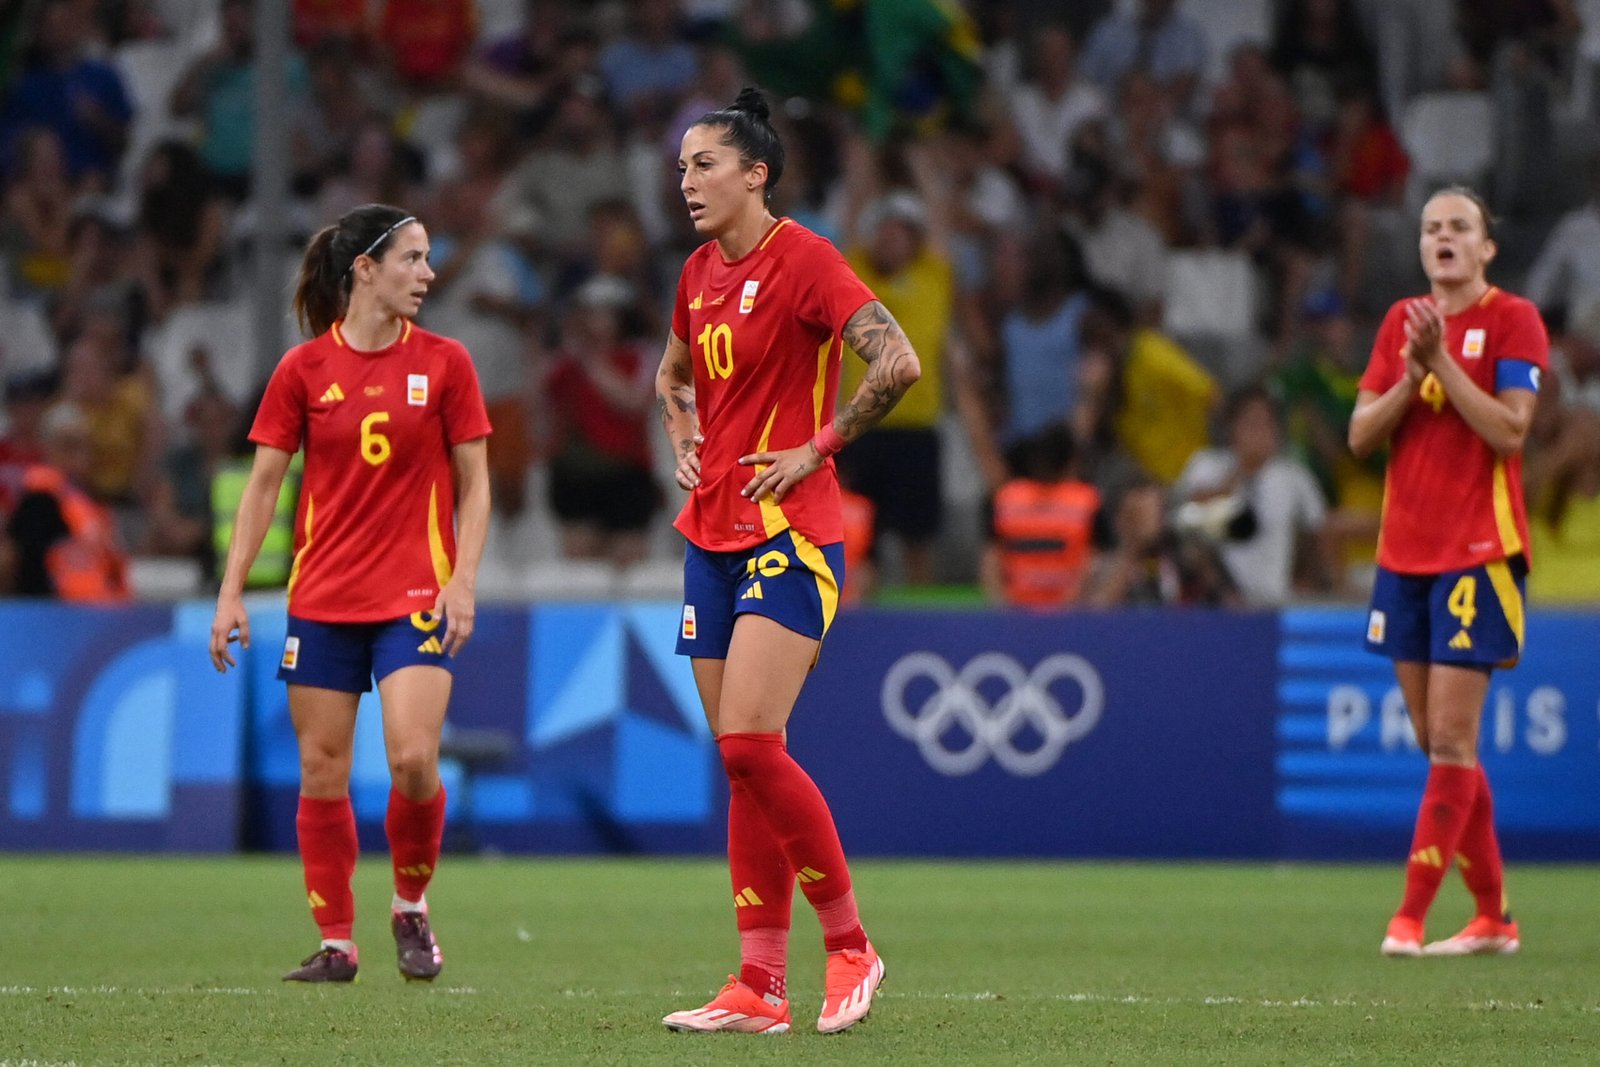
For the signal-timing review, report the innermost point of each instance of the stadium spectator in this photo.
(1050, 106)
(761, 576)
(27, 400)
(426, 41)
(218, 89)
(651, 65)
(390, 591)
(1122, 251)
(117, 406)
(375, 168)
(1368, 168)
(335, 109)
(1158, 40)
(315, 23)
(1451, 388)
(1042, 527)
(1040, 341)
(1563, 487)
(1575, 355)
(899, 248)
(530, 71)
(1320, 46)
(599, 395)
(1261, 506)
(182, 225)
(1566, 273)
(37, 231)
(60, 543)
(103, 279)
(177, 505)
(62, 87)
(1148, 563)
(860, 535)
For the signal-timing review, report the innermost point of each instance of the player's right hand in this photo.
(231, 623)
(688, 469)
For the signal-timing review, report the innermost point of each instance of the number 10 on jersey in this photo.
(716, 344)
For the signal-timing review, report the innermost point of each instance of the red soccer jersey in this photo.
(764, 338)
(1449, 501)
(375, 534)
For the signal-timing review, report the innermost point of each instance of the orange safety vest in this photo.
(1042, 530)
(88, 565)
(859, 519)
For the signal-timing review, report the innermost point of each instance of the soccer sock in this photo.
(793, 807)
(326, 829)
(1446, 803)
(763, 895)
(1478, 854)
(416, 831)
(841, 924)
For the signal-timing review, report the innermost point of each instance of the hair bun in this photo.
(754, 101)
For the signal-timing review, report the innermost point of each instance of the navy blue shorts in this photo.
(347, 656)
(786, 579)
(1469, 618)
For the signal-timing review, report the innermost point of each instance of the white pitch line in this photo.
(142, 991)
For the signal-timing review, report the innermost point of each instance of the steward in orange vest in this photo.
(65, 544)
(1043, 527)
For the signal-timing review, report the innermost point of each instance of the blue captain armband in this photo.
(1516, 374)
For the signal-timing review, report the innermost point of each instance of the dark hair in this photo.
(1489, 221)
(748, 121)
(1243, 397)
(326, 270)
(1045, 456)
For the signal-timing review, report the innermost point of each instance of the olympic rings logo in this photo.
(956, 705)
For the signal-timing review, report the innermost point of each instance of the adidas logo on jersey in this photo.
(332, 396)
(1461, 642)
(694, 305)
(431, 645)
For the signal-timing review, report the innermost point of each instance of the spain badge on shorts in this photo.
(291, 653)
(688, 622)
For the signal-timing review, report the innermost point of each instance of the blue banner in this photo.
(115, 732)
(1350, 775)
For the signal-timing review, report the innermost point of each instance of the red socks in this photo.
(763, 895)
(1447, 802)
(1478, 853)
(326, 829)
(795, 813)
(416, 831)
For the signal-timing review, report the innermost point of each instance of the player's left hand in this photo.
(459, 607)
(781, 473)
(1424, 328)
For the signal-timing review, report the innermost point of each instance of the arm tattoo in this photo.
(675, 382)
(892, 368)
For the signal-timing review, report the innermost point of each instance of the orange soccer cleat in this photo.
(737, 1009)
(852, 979)
(1483, 936)
(1403, 938)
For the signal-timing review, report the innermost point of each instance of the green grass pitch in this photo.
(108, 960)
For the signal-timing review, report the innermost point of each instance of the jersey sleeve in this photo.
(680, 304)
(465, 416)
(281, 419)
(835, 293)
(1385, 367)
(1524, 338)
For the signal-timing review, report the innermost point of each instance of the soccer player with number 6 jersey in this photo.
(748, 386)
(1451, 389)
(394, 509)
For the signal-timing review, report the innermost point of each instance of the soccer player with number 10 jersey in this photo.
(1451, 388)
(748, 386)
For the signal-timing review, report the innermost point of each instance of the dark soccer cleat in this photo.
(325, 965)
(420, 958)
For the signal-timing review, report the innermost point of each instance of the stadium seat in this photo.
(165, 578)
(151, 70)
(1450, 138)
(1210, 293)
(26, 343)
(652, 579)
(1229, 23)
(225, 331)
(568, 579)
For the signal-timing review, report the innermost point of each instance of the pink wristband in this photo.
(827, 441)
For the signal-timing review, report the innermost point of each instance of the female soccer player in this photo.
(394, 429)
(1451, 387)
(747, 389)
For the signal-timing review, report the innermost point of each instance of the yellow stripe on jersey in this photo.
(819, 389)
(338, 338)
(441, 558)
(773, 520)
(772, 233)
(1505, 587)
(299, 557)
(1504, 517)
(405, 331)
(827, 581)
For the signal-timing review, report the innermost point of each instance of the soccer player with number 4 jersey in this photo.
(748, 386)
(394, 509)
(1451, 389)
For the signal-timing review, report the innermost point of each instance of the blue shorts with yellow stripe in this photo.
(1469, 618)
(785, 578)
(347, 656)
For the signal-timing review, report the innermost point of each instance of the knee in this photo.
(1452, 750)
(323, 767)
(743, 755)
(414, 770)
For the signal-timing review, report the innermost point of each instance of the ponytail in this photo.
(327, 269)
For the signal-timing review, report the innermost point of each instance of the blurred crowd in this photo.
(1141, 247)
